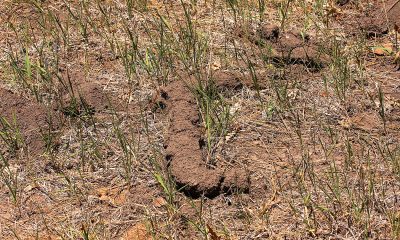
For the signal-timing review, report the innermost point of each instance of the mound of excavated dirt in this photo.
(33, 120)
(227, 81)
(291, 47)
(394, 12)
(294, 49)
(86, 98)
(184, 149)
(379, 21)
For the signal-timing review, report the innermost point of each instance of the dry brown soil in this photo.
(128, 160)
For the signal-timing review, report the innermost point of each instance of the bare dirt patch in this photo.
(313, 120)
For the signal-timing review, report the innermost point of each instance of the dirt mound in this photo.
(373, 27)
(291, 47)
(384, 17)
(394, 12)
(294, 49)
(228, 81)
(184, 149)
(33, 121)
(269, 32)
(86, 99)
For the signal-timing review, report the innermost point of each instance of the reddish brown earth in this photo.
(228, 81)
(33, 119)
(394, 13)
(286, 48)
(267, 146)
(379, 20)
(184, 143)
(86, 98)
(301, 51)
(184, 149)
(91, 94)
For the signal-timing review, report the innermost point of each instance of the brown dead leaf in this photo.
(159, 202)
(137, 232)
(378, 51)
(384, 50)
(324, 94)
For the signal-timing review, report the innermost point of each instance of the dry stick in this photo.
(393, 5)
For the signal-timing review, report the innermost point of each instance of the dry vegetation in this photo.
(200, 119)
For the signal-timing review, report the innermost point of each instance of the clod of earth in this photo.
(228, 81)
(292, 48)
(185, 153)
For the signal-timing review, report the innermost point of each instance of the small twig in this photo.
(393, 5)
